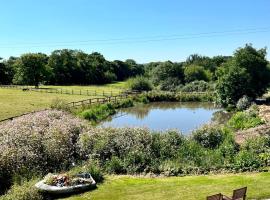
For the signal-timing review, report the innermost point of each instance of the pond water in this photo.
(160, 116)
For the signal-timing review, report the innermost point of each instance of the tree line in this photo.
(66, 67)
(245, 73)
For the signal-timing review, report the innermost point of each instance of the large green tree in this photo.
(245, 74)
(31, 69)
(6, 72)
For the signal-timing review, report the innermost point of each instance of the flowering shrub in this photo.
(38, 143)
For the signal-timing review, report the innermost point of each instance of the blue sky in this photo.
(145, 30)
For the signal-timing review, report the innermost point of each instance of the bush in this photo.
(140, 83)
(245, 119)
(90, 166)
(59, 104)
(99, 112)
(197, 86)
(209, 136)
(247, 161)
(156, 95)
(24, 191)
(243, 103)
(194, 72)
(38, 143)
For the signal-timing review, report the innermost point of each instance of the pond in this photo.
(160, 116)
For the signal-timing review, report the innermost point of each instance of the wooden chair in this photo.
(215, 197)
(237, 194)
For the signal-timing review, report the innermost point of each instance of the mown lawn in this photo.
(181, 188)
(15, 102)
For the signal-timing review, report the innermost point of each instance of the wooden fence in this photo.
(66, 91)
(103, 100)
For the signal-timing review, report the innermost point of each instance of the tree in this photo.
(6, 73)
(64, 66)
(167, 75)
(195, 72)
(31, 69)
(245, 74)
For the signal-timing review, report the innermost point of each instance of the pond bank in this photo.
(262, 130)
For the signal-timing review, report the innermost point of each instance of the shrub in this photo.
(59, 104)
(243, 103)
(247, 161)
(194, 72)
(89, 166)
(38, 143)
(99, 112)
(245, 119)
(197, 86)
(209, 136)
(140, 83)
(24, 191)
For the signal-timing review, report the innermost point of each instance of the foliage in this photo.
(245, 74)
(243, 103)
(23, 191)
(197, 86)
(31, 69)
(38, 143)
(245, 119)
(6, 73)
(96, 113)
(167, 74)
(209, 136)
(156, 95)
(140, 83)
(59, 104)
(194, 72)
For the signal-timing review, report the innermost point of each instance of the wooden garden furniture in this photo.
(239, 194)
(215, 197)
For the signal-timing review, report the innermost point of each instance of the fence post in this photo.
(80, 92)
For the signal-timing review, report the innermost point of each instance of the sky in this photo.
(144, 30)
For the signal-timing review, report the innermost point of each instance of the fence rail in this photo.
(103, 100)
(86, 92)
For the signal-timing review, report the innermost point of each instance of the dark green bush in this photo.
(209, 136)
(140, 83)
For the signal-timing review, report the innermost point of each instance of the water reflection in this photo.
(166, 115)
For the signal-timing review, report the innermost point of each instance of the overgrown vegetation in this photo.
(245, 119)
(140, 83)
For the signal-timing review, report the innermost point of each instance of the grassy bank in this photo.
(188, 188)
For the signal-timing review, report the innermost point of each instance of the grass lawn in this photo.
(114, 87)
(15, 102)
(181, 188)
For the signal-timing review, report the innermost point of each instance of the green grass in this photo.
(181, 188)
(15, 102)
(115, 87)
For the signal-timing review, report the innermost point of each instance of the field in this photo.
(15, 102)
(181, 188)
